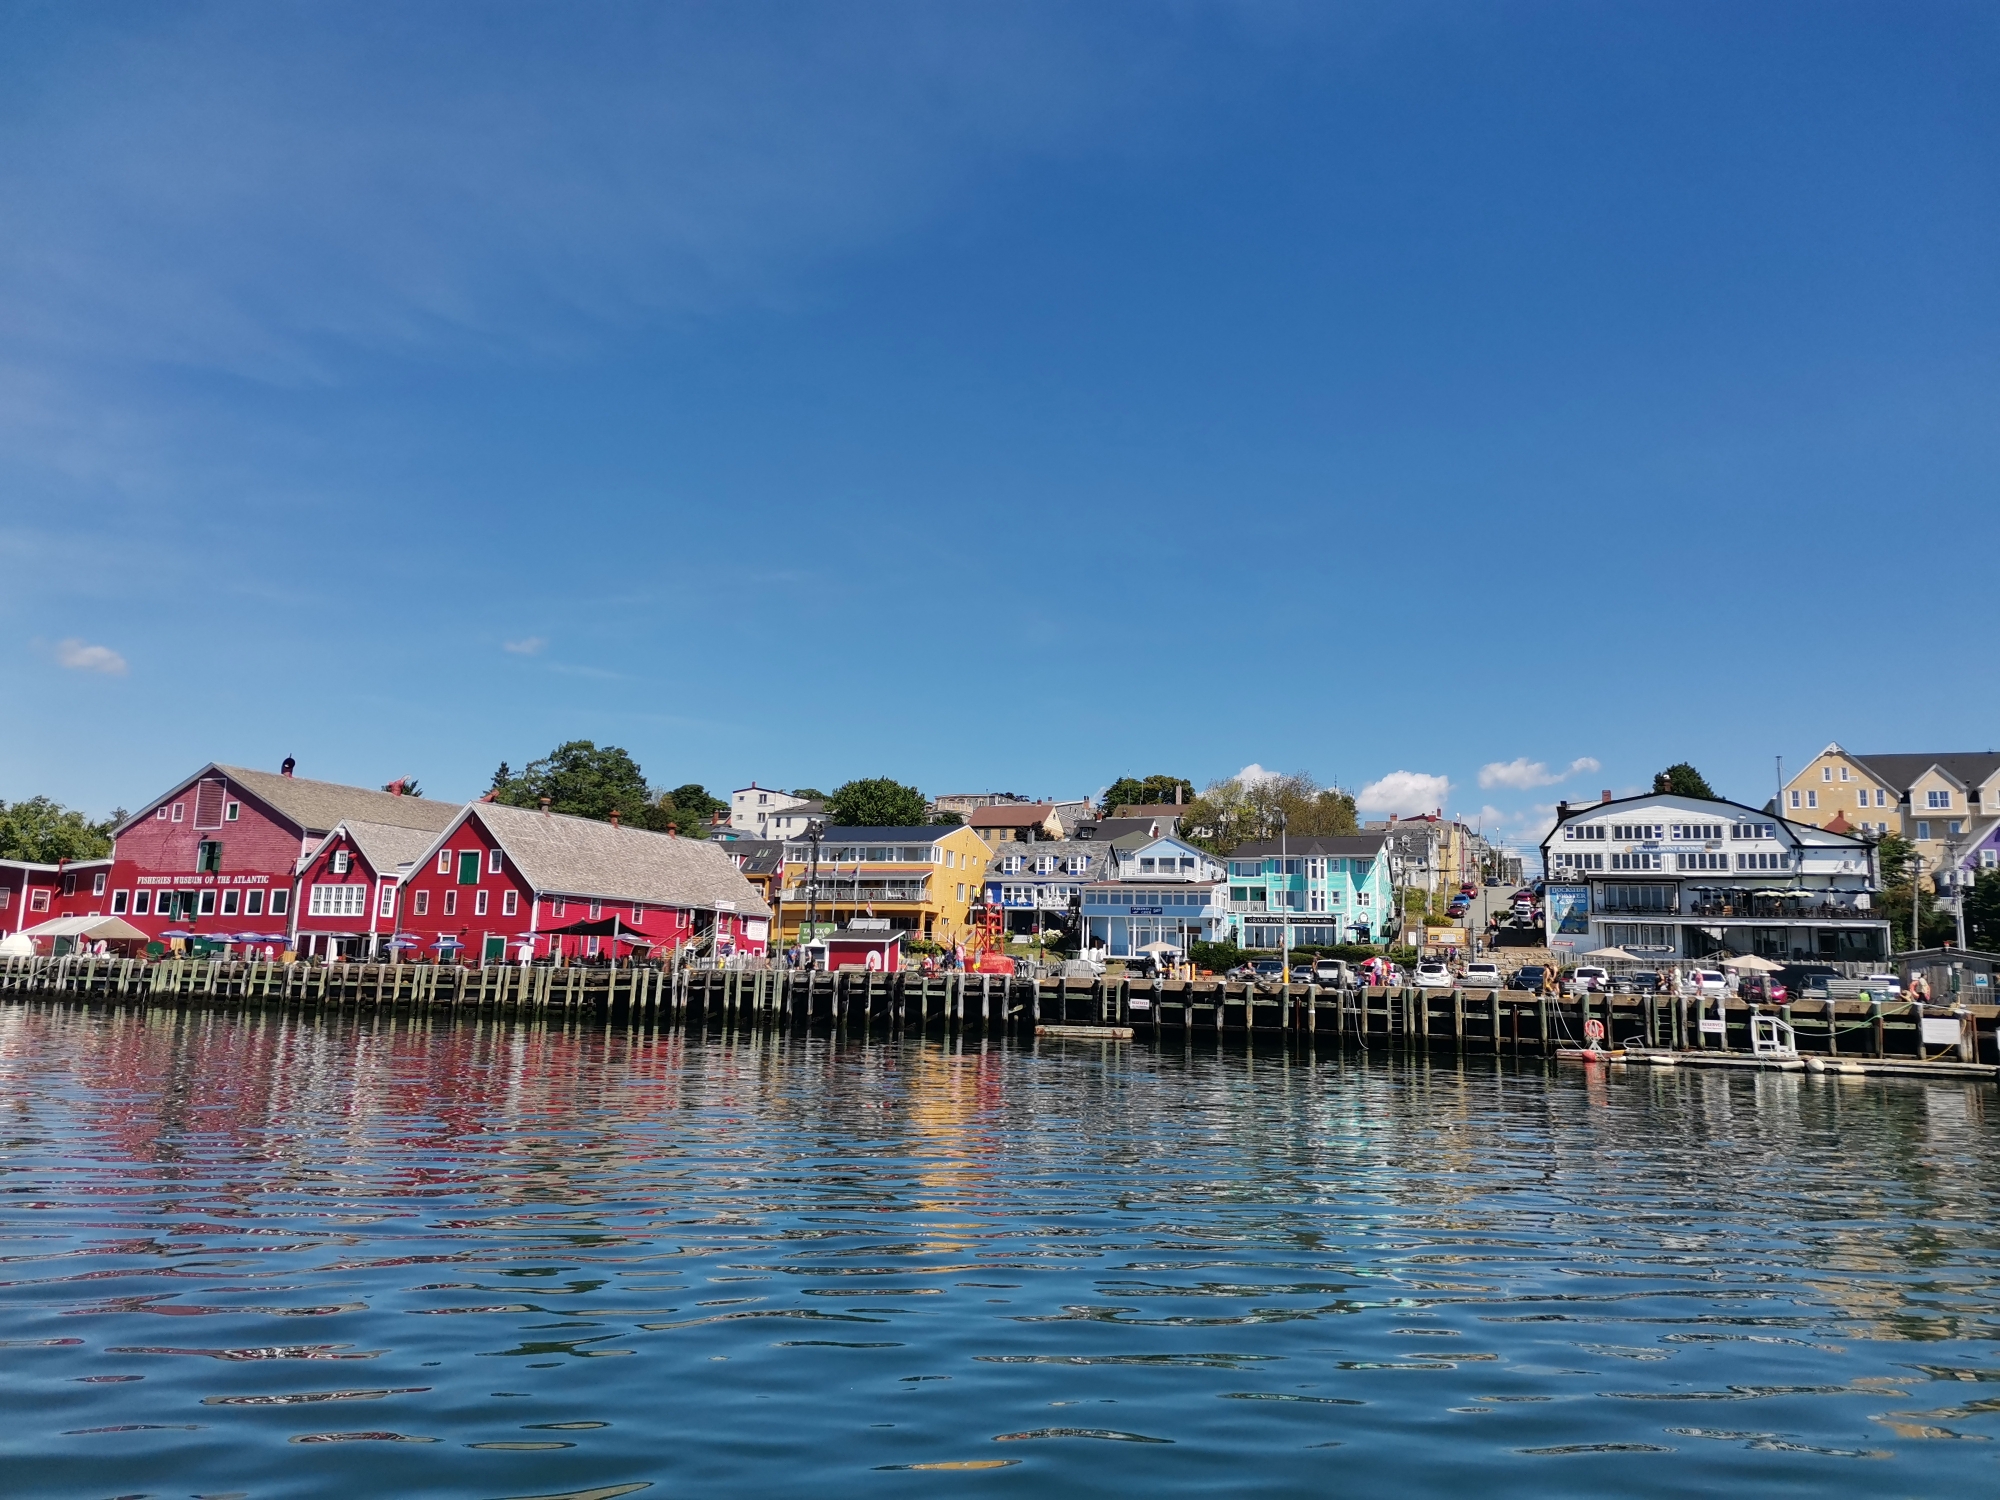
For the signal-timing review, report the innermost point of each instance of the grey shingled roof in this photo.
(1971, 767)
(1315, 846)
(387, 849)
(568, 856)
(320, 806)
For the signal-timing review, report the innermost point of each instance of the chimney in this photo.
(1605, 795)
(286, 768)
(1177, 794)
(1562, 811)
(673, 832)
(614, 817)
(545, 807)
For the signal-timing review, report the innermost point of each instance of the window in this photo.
(1779, 861)
(1240, 867)
(591, 949)
(1146, 866)
(961, 894)
(1017, 895)
(1826, 773)
(1702, 861)
(1753, 830)
(1687, 831)
(1937, 799)
(253, 904)
(231, 811)
(1989, 859)
(468, 867)
(386, 907)
(1011, 864)
(1923, 829)
(1881, 797)
(340, 861)
(1315, 869)
(510, 903)
(560, 906)
(38, 900)
(281, 902)
(232, 903)
(479, 903)
(1077, 864)
(1952, 827)
(1640, 860)
(120, 903)
(596, 910)
(1636, 833)
(160, 812)
(208, 903)
(97, 880)
(1316, 901)
(1361, 899)
(444, 861)
(1812, 798)
(208, 857)
(1795, 797)
(423, 903)
(142, 902)
(493, 862)
(638, 915)
(178, 808)
(345, 900)
(1045, 865)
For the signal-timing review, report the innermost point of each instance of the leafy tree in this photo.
(810, 793)
(689, 810)
(1129, 791)
(44, 831)
(1229, 813)
(501, 777)
(587, 782)
(1982, 912)
(876, 802)
(1683, 780)
(1893, 857)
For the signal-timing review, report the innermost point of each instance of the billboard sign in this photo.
(1569, 910)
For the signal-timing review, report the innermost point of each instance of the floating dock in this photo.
(1839, 1035)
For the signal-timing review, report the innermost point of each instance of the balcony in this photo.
(1782, 909)
(846, 893)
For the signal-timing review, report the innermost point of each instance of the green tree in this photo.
(1893, 860)
(1982, 912)
(1131, 791)
(587, 782)
(689, 810)
(1229, 812)
(876, 802)
(1683, 780)
(44, 831)
(810, 793)
(501, 777)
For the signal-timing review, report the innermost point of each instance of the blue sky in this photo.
(1005, 397)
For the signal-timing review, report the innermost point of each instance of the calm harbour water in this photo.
(269, 1256)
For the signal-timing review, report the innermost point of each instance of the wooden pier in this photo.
(1506, 1022)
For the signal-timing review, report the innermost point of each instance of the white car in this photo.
(1482, 976)
(1886, 982)
(1590, 977)
(1433, 974)
(1709, 982)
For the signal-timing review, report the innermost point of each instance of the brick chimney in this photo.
(545, 807)
(1605, 795)
(1562, 811)
(286, 768)
(614, 817)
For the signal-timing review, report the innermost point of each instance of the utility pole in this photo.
(1285, 949)
(1957, 887)
(1916, 901)
(815, 830)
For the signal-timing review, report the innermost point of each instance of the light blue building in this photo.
(1164, 891)
(1327, 890)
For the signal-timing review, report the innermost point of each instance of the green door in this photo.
(496, 950)
(468, 867)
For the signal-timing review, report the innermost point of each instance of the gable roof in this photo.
(317, 807)
(1966, 767)
(1799, 833)
(919, 834)
(563, 855)
(388, 849)
(1318, 846)
(1108, 830)
(1011, 815)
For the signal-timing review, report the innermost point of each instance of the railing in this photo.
(1776, 911)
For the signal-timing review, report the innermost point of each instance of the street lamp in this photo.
(815, 831)
(1284, 874)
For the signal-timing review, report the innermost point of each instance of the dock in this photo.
(1831, 1035)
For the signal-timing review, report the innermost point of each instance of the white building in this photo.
(1668, 877)
(752, 807)
(1165, 891)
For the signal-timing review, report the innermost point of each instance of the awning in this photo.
(110, 929)
(602, 927)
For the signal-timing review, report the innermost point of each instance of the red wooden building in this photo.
(220, 854)
(505, 882)
(347, 888)
(31, 894)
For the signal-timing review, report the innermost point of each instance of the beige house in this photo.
(1015, 822)
(1932, 800)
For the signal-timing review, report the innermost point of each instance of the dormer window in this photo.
(340, 861)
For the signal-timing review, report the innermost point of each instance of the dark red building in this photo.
(503, 880)
(31, 894)
(220, 854)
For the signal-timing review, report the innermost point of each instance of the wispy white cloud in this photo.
(1524, 774)
(1404, 793)
(80, 657)
(533, 645)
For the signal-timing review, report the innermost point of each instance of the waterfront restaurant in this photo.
(1682, 878)
(1164, 891)
(923, 880)
(1327, 889)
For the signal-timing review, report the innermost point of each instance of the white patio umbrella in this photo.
(1611, 956)
(1752, 963)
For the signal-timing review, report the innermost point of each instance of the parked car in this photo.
(1887, 984)
(1333, 972)
(1590, 977)
(1268, 970)
(1482, 975)
(1706, 982)
(1646, 982)
(1528, 977)
(1434, 974)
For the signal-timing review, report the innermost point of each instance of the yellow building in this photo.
(922, 880)
(1932, 800)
